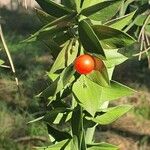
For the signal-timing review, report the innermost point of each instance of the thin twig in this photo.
(141, 46)
(143, 27)
(142, 38)
(145, 51)
(8, 54)
(147, 40)
(9, 58)
(5, 66)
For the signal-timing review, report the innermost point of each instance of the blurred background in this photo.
(31, 61)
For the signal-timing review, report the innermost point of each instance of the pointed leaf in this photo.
(141, 19)
(51, 90)
(53, 28)
(112, 38)
(1, 62)
(102, 11)
(44, 34)
(65, 78)
(60, 61)
(115, 91)
(66, 56)
(53, 47)
(113, 58)
(102, 146)
(78, 4)
(50, 116)
(69, 3)
(88, 94)
(89, 3)
(53, 9)
(120, 23)
(110, 72)
(44, 17)
(74, 143)
(100, 78)
(56, 146)
(112, 115)
(58, 135)
(77, 124)
(89, 39)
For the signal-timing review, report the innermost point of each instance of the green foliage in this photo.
(89, 39)
(53, 8)
(99, 11)
(72, 28)
(103, 146)
(1, 62)
(112, 114)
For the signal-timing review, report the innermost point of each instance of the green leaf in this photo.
(112, 38)
(44, 34)
(88, 94)
(102, 146)
(60, 62)
(112, 115)
(92, 94)
(1, 62)
(89, 39)
(115, 91)
(102, 11)
(113, 58)
(141, 19)
(74, 143)
(69, 3)
(67, 75)
(78, 4)
(65, 78)
(66, 56)
(110, 72)
(44, 17)
(100, 78)
(52, 29)
(50, 116)
(120, 23)
(51, 90)
(57, 146)
(57, 134)
(77, 124)
(89, 3)
(53, 47)
(53, 9)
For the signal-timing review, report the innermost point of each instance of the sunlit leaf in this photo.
(88, 94)
(120, 23)
(102, 146)
(112, 38)
(102, 11)
(112, 115)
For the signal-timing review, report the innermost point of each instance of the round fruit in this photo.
(98, 64)
(84, 64)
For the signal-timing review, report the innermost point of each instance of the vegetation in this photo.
(21, 109)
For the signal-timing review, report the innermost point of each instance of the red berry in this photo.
(84, 64)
